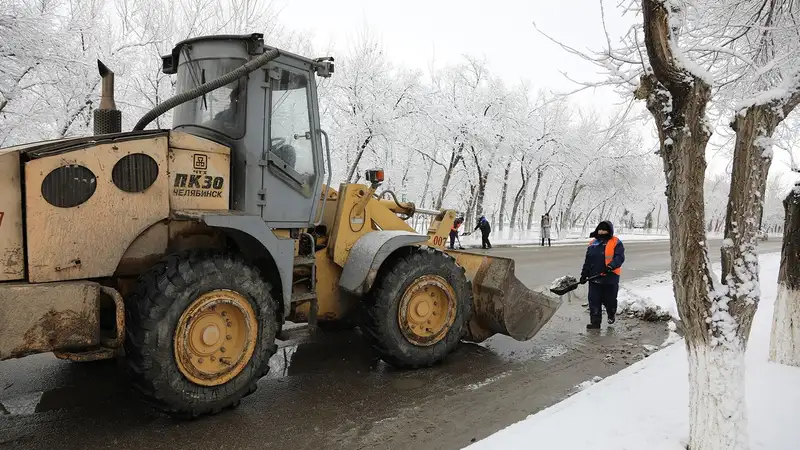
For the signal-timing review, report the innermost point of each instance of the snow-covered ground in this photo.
(646, 405)
(650, 294)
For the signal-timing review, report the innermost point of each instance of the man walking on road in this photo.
(546, 229)
(485, 228)
(604, 257)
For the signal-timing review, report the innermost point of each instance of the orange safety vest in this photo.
(610, 246)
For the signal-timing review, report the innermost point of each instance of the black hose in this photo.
(394, 197)
(205, 88)
(400, 205)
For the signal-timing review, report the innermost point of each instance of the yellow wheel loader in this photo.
(184, 251)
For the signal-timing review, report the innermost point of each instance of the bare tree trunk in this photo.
(716, 321)
(751, 160)
(427, 183)
(483, 178)
(455, 158)
(473, 192)
(404, 182)
(658, 218)
(531, 211)
(648, 219)
(576, 190)
(523, 189)
(677, 99)
(784, 345)
(503, 195)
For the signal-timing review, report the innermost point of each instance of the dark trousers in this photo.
(485, 240)
(453, 235)
(602, 295)
(548, 242)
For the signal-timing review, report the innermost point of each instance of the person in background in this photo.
(454, 231)
(485, 228)
(546, 228)
(604, 257)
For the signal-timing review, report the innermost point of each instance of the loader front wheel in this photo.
(419, 309)
(201, 329)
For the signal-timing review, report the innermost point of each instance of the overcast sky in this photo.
(417, 33)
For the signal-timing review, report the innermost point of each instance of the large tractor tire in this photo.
(419, 309)
(201, 329)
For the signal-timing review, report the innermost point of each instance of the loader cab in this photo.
(269, 119)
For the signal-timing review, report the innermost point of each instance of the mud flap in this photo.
(501, 303)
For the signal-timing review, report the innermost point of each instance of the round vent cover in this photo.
(135, 172)
(69, 186)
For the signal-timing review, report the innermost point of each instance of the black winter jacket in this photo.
(595, 261)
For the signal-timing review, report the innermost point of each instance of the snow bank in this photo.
(588, 383)
(648, 298)
(646, 405)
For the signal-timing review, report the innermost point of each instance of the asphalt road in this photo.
(333, 393)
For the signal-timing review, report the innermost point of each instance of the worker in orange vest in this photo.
(604, 257)
(454, 232)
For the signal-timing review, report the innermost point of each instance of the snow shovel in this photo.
(568, 284)
(460, 247)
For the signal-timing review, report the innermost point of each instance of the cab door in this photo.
(292, 157)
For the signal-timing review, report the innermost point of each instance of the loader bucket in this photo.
(501, 303)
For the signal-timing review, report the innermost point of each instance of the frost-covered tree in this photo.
(785, 337)
(368, 103)
(49, 51)
(456, 137)
(693, 62)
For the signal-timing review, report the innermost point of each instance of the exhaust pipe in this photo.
(107, 118)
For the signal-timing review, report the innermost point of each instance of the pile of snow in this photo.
(646, 405)
(563, 282)
(648, 299)
(673, 337)
(588, 383)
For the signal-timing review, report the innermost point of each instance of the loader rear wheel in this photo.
(201, 329)
(419, 309)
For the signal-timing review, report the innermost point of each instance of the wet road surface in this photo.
(333, 393)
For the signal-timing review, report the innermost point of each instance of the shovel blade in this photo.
(563, 285)
(564, 290)
(500, 302)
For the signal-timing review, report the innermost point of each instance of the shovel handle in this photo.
(594, 277)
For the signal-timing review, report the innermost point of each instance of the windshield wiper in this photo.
(191, 66)
(203, 81)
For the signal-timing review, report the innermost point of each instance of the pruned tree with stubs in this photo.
(741, 61)
(784, 346)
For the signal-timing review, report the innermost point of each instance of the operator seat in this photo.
(287, 153)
